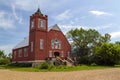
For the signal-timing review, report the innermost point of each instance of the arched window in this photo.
(56, 44)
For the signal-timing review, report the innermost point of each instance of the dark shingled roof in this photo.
(39, 11)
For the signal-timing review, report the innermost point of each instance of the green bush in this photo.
(107, 54)
(88, 60)
(21, 64)
(44, 65)
(4, 61)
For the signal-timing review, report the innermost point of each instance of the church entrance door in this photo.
(56, 54)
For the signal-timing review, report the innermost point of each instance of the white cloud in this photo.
(115, 34)
(26, 5)
(99, 13)
(5, 20)
(63, 16)
(7, 48)
(19, 19)
(66, 28)
(32, 5)
(102, 27)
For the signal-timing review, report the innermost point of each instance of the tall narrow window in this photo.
(20, 53)
(68, 54)
(62, 54)
(59, 44)
(32, 23)
(52, 44)
(25, 52)
(14, 54)
(41, 23)
(41, 44)
(50, 53)
(31, 46)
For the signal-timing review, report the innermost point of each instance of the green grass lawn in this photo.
(57, 68)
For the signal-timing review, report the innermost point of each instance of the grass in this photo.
(56, 68)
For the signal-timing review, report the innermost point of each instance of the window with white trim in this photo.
(52, 44)
(32, 23)
(59, 45)
(50, 53)
(14, 54)
(41, 44)
(56, 44)
(68, 54)
(31, 46)
(20, 53)
(41, 23)
(25, 52)
(62, 54)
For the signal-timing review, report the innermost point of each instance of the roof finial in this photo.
(39, 11)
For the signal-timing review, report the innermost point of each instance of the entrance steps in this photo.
(58, 61)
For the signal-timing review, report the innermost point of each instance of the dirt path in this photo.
(105, 74)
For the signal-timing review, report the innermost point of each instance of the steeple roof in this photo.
(39, 11)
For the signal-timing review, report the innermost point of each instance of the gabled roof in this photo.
(55, 27)
(23, 43)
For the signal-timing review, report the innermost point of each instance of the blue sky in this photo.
(102, 15)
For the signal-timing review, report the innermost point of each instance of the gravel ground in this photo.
(104, 74)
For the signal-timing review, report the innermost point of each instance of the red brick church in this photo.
(42, 42)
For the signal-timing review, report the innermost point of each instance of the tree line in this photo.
(5, 59)
(91, 47)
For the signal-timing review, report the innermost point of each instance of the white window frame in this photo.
(56, 45)
(68, 54)
(50, 53)
(52, 44)
(20, 53)
(32, 24)
(14, 54)
(41, 23)
(32, 46)
(25, 52)
(41, 44)
(62, 54)
(59, 45)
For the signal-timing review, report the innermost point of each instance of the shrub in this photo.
(21, 64)
(44, 65)
(4, 61)
(107, 54)
(86, 60)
